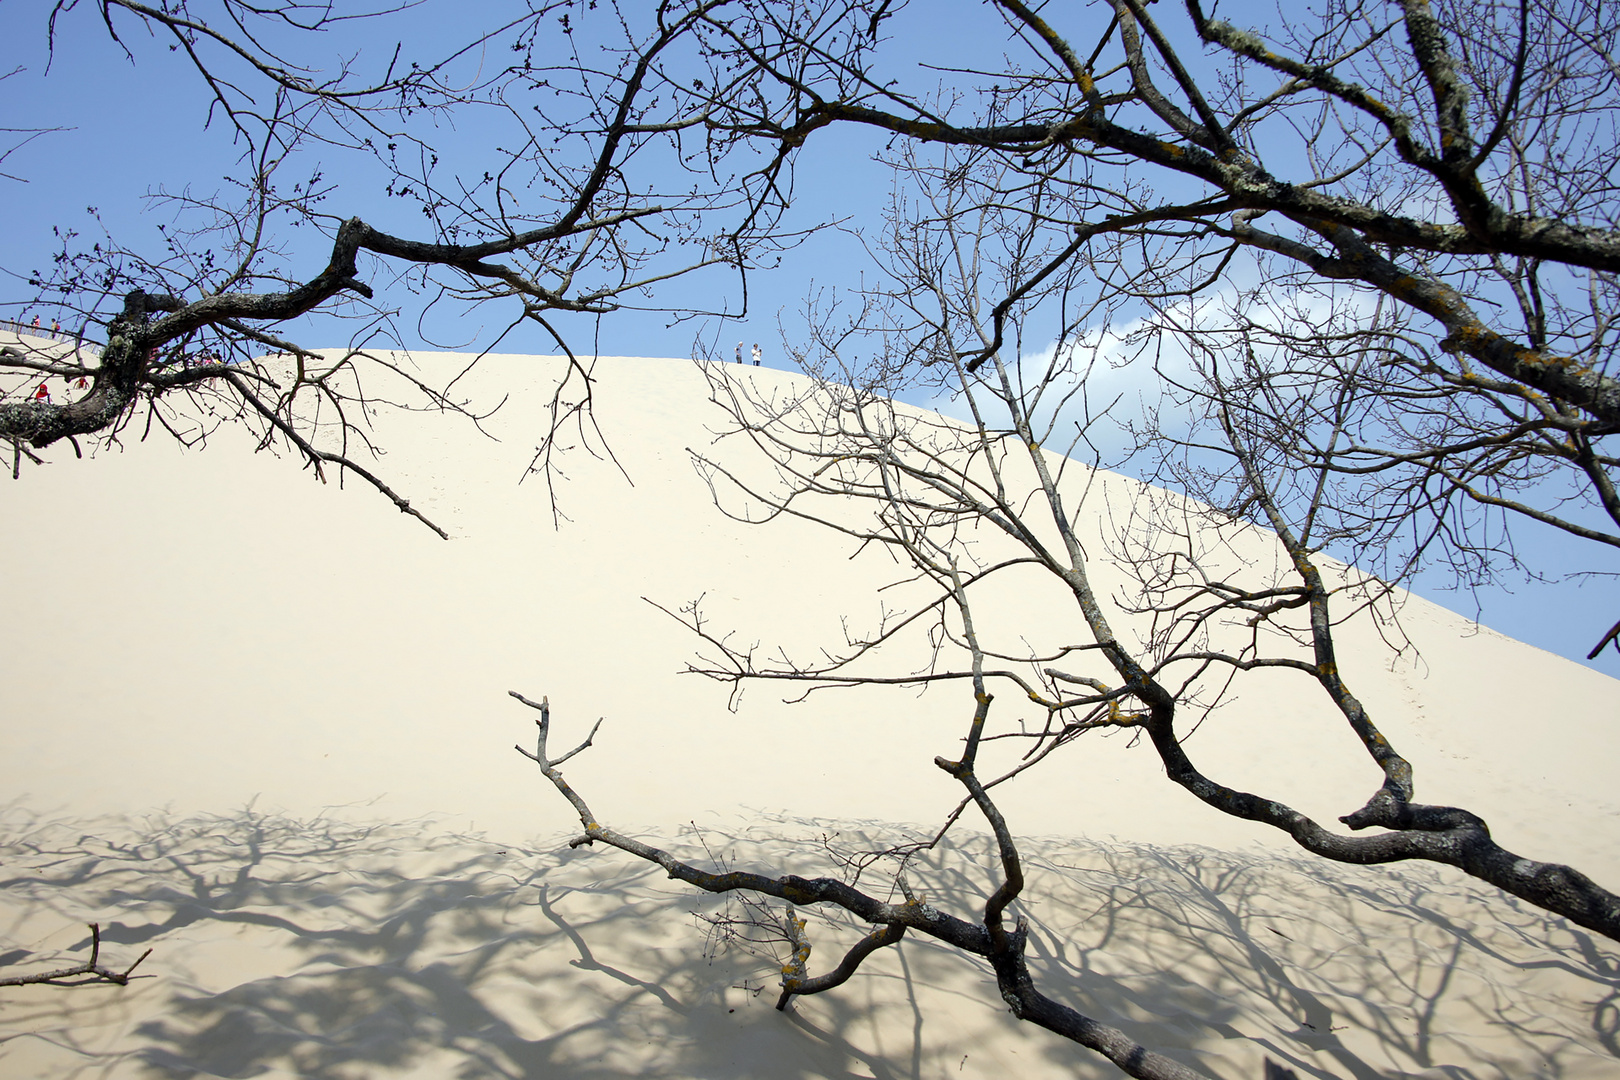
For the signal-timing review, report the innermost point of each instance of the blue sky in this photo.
(132, 129)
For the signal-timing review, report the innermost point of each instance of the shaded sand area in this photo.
(259, 725)
(320, 948)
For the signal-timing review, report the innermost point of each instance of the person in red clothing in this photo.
(43, 393)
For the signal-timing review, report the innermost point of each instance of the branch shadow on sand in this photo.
(332, 949)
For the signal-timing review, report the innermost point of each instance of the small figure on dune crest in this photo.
(757, 353)
(43, 393)
(739, 352)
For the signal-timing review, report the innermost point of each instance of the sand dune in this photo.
(260, 725)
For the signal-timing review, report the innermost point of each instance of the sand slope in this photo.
(195, 633)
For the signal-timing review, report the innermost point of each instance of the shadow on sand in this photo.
(329, 949)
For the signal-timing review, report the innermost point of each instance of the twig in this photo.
(91, 967)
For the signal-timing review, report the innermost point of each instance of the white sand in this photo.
(194, 633)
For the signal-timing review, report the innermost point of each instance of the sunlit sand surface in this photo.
(259, 725)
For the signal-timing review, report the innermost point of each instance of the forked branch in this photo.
(87, 973)
(988, 938)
